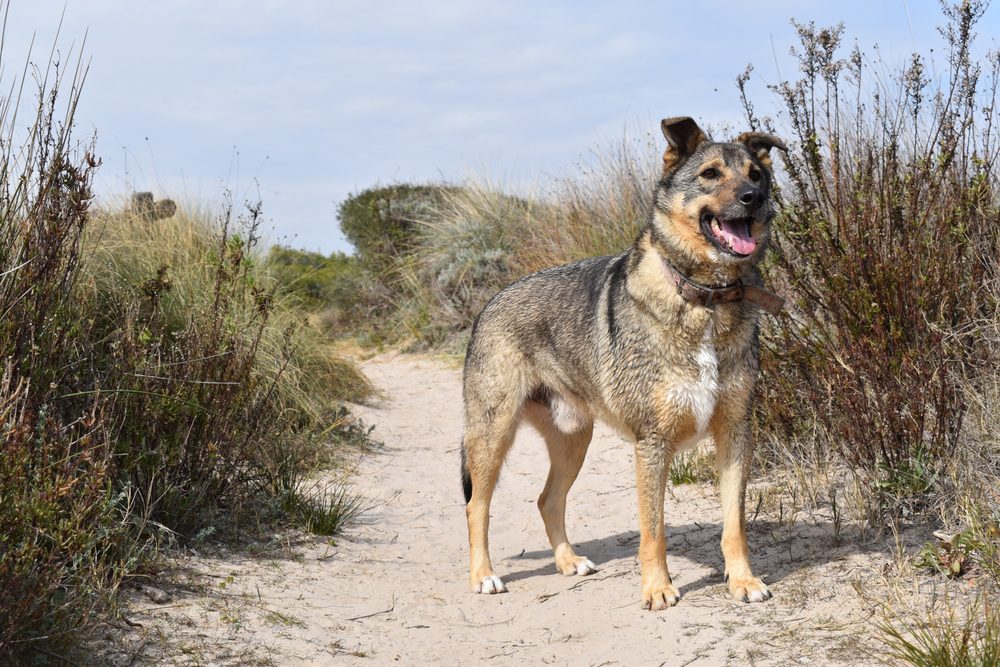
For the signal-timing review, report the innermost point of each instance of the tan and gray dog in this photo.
(659, 342)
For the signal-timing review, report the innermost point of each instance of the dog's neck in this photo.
(698, 285)
(702, 271)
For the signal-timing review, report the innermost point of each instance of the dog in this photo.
(660, 342)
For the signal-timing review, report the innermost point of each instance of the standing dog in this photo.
(660, 342)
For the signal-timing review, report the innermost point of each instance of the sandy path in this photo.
(413, 557)
(394, 589)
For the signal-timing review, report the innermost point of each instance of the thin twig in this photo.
(376, 613)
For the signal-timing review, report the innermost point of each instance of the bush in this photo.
(58, 552)
(381, 222)
(465, 254)
(150, 373)
(61, 544)
(888, 223)
(316, 279)
(340, 289)
(366, 292)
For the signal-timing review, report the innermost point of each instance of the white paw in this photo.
(490, 585)
(759, 595)
(750, 589)
(586, 567)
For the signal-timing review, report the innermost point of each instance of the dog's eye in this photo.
(754, 175)
(711, 173)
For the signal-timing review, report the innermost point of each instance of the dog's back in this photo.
(542, 330)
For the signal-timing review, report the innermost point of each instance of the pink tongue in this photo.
(737, 234)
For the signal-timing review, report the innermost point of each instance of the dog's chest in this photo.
(696, 390)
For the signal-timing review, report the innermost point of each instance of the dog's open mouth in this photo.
(732, 236)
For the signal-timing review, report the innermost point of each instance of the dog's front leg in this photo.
(733, 452)
(652, 459)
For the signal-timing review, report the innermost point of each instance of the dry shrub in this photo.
(148, 374)
(971, 488)
(887, 231)
(61, 541)
(58, 551)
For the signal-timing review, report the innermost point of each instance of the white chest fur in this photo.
(697, 395)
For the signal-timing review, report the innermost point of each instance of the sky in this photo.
(303, 103)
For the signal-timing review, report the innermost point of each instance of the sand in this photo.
(394, 589)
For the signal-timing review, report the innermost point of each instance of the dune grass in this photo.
(952, 636)
(228, 385)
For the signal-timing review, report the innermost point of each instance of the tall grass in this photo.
(479, 238)
(430, 256)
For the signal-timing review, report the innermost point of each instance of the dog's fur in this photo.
(610, 338)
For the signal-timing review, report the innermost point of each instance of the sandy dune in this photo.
(394, 589)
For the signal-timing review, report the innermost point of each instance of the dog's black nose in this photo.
(751, 196)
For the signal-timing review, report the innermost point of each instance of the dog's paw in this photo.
(576, 565)
(659, 596)
(749, 590)
(489, 585)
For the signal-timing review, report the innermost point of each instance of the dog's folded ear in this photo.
(683, 134)
(683, 138)
(760, 145)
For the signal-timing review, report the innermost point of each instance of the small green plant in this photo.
(907, 483)
(986, 534)
(950, 556)
(282, 619)
(691, 467)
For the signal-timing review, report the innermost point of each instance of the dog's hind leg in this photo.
(567, 433)
(489, 433)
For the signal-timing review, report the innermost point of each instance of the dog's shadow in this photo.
(777, 551)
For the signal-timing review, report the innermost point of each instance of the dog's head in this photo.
(716, 197)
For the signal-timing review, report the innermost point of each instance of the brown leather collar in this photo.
(704, 295)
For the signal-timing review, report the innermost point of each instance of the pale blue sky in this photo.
(316, 99)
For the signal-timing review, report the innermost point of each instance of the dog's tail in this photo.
(466, 479)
